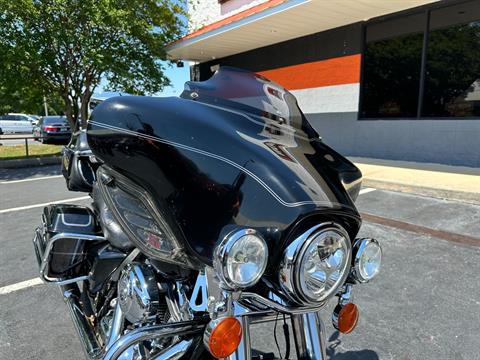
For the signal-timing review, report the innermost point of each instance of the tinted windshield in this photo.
(249, 92)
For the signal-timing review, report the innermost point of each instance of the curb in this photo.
(30, 162)
(447, 194)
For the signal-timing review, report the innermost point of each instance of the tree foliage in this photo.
(67, 47)
(18, 94)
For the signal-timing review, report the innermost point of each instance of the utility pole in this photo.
(45, 105)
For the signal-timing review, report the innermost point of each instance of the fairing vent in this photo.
(138, 216)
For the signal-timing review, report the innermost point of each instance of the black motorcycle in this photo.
(210, 212)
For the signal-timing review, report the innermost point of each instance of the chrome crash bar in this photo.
(43, 250)
(92, 345)
(308, 328)
(308, 331)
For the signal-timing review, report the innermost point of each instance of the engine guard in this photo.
(308, 334)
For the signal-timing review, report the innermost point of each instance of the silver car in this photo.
(15, 123)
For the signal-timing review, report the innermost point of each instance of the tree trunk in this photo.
(87, 94)
(69, 112)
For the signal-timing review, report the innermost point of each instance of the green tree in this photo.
(66, 47)
(26, 98)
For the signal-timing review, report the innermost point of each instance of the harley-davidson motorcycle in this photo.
(211, 212)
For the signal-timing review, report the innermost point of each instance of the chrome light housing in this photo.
(240, 259)
(367, 260)
(316, 264)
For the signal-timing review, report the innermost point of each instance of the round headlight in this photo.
(316, 264)
(368, 259)
(241, 259)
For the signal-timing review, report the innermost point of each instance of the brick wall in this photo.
(205, 12)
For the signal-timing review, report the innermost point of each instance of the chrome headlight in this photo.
(241, 259)
(316, 264)
(367, 260)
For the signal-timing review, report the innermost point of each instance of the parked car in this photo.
(52, 129)
(15, 123)
(35, 119)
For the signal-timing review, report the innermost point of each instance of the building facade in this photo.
(382, 79)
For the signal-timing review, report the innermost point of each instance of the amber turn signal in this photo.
(345, 318)
(222, 336)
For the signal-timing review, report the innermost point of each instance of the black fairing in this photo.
(214, 160)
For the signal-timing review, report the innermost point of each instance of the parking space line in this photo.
(423, 230)
(20, 285)
(366, 190)
(20, 208)
(30, 179)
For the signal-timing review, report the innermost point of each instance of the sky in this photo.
(177, 77)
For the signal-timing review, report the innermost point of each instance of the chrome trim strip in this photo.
(217, 157)
(90, 218)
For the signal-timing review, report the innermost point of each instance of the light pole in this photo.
(45, 105)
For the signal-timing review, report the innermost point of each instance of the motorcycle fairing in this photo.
(233, 151)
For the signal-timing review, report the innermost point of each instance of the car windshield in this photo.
(248, 92)
(55, 119)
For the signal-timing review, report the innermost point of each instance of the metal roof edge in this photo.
(238, 23)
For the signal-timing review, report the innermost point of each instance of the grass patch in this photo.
(36, 150)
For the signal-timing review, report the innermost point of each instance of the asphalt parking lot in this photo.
(425, 304)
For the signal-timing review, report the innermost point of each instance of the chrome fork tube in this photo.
(243, 351)
(117, 325)
(309, 335)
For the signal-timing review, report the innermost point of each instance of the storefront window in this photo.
(392, 66)
(392, 61)
(452, 81)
